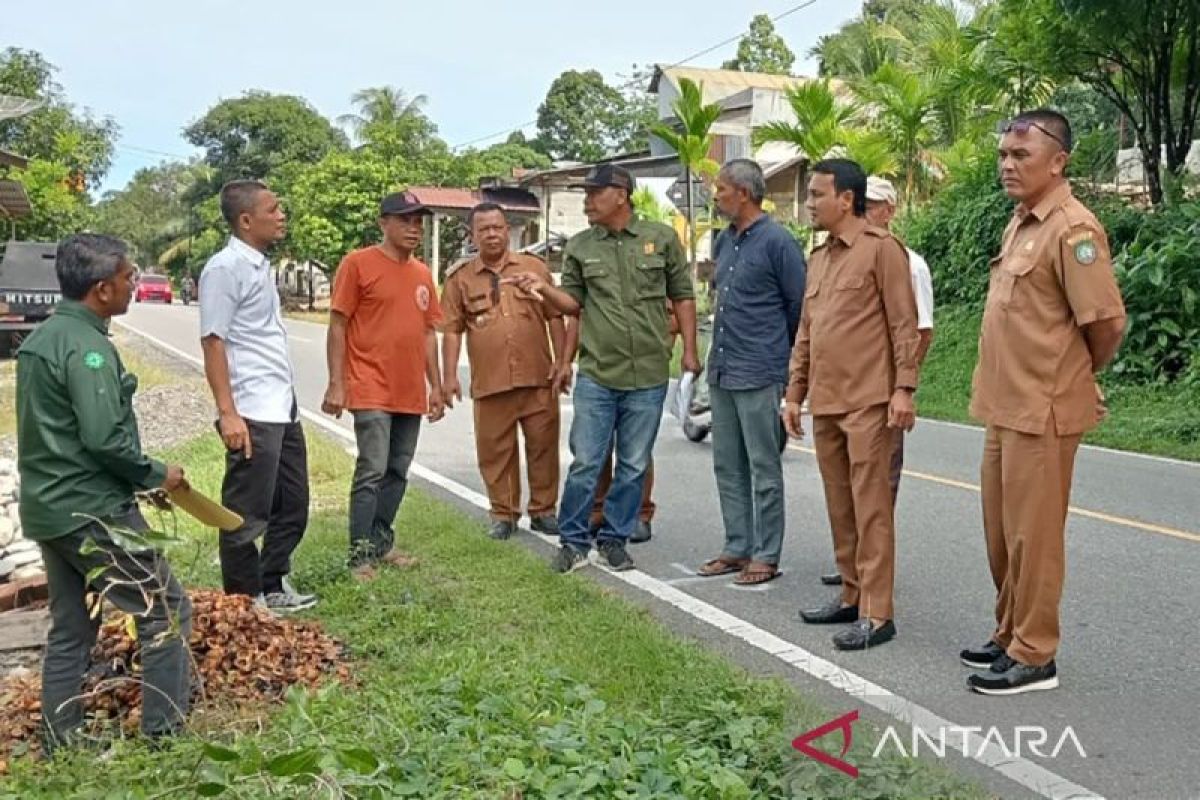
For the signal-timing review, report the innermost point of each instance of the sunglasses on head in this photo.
(1024, 126)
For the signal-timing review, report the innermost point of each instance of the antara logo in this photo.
(970, 741)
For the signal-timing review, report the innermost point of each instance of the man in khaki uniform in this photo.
(511, 372)
(855, 359)
(1053, 318)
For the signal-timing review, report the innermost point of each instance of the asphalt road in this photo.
(1130, 606)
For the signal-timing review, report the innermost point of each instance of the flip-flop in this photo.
(722, 566)
(757, 577)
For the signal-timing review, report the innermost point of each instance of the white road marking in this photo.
(1032, 776)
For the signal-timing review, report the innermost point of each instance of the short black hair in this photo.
(484, 208)
(1053, 121)
(848, 176)
(237, 198)
(85, 259)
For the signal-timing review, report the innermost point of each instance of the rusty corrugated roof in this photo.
(13, 200)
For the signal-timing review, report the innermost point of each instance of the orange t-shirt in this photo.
(389, 306)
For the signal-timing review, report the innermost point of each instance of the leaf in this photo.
(359, 759)
(514, 769)
(95, 572)
(297, 762)
(211, 789)
(216, 752)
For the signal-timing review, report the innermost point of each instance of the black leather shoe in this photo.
(832, 579)
(501, 529)
(861, 636)
(641, 532)
(546, 523)
(981, 657)
(832, 614)
(1017, 679)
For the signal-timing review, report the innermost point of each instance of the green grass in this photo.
(1161, 420)
(482, 675)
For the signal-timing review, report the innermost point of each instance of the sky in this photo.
(156, 65)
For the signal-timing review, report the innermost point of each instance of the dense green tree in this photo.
(762, 50)
(585, 119)
(254, 135)
(1144, 57)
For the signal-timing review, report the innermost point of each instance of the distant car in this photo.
(153, 287)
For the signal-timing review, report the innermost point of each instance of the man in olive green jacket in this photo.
(80, 460)
(619, 274)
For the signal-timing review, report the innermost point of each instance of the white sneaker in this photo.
(289, 599)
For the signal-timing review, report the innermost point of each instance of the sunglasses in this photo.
(1024, 126)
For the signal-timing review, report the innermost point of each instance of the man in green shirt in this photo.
(619, 275)
(80, 460)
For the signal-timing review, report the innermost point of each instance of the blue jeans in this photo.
(631, 417)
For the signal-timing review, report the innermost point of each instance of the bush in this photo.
(1157, 273)
(958, 232)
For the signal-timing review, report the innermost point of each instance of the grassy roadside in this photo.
(482, 675)
(149, 376)
(319, 317)
(1161, 420)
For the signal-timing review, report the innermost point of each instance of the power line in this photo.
(148, 151)
(631, 84)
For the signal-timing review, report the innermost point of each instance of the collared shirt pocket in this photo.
(1009, 274)
(651, 278)
(479, 310)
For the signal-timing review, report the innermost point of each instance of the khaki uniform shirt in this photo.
(508, 345)
(623, 281)
(1054, 275)
(858, 331)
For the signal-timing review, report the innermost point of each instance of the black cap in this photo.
(401, 204)
(603, 175)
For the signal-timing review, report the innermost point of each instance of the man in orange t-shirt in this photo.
(382, 351)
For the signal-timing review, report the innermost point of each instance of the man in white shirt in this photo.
(248, 369)
(881, 208)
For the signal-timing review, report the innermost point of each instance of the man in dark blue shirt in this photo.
(759, 290)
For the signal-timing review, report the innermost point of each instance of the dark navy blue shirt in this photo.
(760, 288)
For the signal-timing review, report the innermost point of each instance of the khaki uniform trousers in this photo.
(1026, 480)
(497, 417)
(854, 453)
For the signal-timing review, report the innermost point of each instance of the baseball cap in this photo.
(603, 175)
(881, 189)
(401, 204)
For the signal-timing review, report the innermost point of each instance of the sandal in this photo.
(722, 565)
(756, 573)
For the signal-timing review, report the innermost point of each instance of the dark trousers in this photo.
(386, 445)
(136, 580)
(270, 491)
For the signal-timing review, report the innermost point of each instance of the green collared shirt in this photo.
(78, 449)
(623, 281)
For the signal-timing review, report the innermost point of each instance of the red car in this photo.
(153, 287)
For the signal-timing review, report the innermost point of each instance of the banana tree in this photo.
(691, 141)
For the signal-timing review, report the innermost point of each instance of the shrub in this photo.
(1157, 272)
(958, 232)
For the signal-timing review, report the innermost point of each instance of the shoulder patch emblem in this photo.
(93, 360)
(1085, 251)
(648, 249)
(423, 297)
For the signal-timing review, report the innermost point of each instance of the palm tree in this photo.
(824, 121)
(381, 106)
(691, 140)
(904, 105)
(859, 48)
